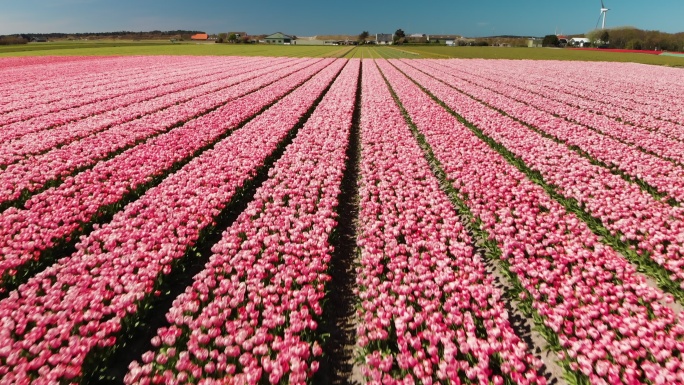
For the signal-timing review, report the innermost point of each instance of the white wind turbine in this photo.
(604, 10)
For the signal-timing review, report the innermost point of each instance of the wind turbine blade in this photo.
(602, 6)
(599, 20)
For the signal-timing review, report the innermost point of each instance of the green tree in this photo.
(363, 36)
(634, 44)
(222, 37)
(232, 37)
(550, 41)
(399, 35)
(593, 36)
(605, 37)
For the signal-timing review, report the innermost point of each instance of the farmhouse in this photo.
(579, 42)
(199, 36)
(383, 38)
(279, 38)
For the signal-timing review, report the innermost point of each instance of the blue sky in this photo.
(306, 17)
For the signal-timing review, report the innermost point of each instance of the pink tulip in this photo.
(602, 285)
(99, 138)
(428, 309)
(261, 350)
(621, 206)
(395, 174)
(95, 271)
(129, 170)
(556, 112)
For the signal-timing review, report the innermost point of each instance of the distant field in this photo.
(124, 48)
(64, 48)
(382, 52)
(542, 54)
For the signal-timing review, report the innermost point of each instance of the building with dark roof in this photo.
(384, 38)
(279, 38)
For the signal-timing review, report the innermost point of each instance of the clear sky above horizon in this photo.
(306, 17)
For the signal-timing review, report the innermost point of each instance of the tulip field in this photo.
(281, 220)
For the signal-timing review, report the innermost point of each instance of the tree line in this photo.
(10, 40)
(629, 38)
(156, 34)
(633, 38)
(234, 38)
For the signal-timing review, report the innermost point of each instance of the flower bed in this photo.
(252, 314)
(31, 174)
(665, 177)
(79, 306)
(603, 320)
(428, 312)
(653, 228)
(60, 214)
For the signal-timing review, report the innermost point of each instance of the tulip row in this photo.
(44, 132)
(604, 321)
(652, 90)
(648, 88)
(14, 63)
(666, 178)
(114, 84)
(637, 96)
(77, 307)
(58, 215)
(558, 99)
(47, 72)
(31, 174)
(105, 111)
(252, 314)
(28, 136)
(653, 228)
(656, 143)
(68, 77)
(428, 311)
